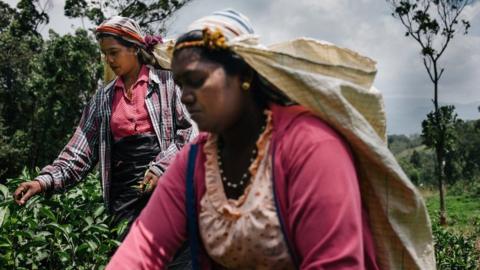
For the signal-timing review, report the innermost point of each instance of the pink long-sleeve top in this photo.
(318, 195)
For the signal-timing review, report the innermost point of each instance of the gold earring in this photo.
(245, 86)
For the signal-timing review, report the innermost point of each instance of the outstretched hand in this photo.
(149, 182)
(25, 191)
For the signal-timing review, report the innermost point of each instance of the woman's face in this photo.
(121, 59)
(213, 98)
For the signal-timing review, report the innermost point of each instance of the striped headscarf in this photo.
(123, 27)
(128, 30)
(230, 22)
(219, 28)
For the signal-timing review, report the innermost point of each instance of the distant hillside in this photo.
(401, 143)
(414, 157)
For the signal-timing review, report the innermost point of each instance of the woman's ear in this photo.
(246, 80)
(247, 76)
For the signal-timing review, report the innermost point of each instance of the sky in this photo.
(365, 26)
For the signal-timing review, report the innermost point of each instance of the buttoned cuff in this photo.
(155, 169)
(46, 181)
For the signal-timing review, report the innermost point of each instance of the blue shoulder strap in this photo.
(192, 222)
(290, 248)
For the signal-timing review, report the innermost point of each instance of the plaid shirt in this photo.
(92, 139)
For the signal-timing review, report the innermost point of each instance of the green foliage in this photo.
(463, 211)
(455, 251)
(16, 61)
(462, 161)
(62, 81)
(6, 15)
(439, 128)
(398, 143)
(467, 151)
(456, 245)
(439, 132)
(470, 188)
(421, 171)
(43, 87)
(67, 231)
(414, 158)
(29, 16)
(147, 13)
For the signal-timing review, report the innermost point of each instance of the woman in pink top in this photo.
(132, 127)
(267, 185)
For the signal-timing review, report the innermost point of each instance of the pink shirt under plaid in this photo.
(130, 114)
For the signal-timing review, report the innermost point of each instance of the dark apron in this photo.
(131, 157)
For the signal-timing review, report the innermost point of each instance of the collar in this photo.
(143, 76)
(153, 75)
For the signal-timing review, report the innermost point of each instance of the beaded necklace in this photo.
(246, 175)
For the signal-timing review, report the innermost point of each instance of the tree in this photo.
(44, 86)
(150, 14)
(19, 43)
(415, 159)
(63, 78)
(432, 24)
(468, 149)
(447, 131)
(32, 14)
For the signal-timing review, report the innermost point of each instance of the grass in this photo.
(463, 211)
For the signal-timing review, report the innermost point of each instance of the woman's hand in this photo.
(26, 190)
(149, 182)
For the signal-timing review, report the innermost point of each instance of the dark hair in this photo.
(233, 64)
(123, 42)
(143, 57)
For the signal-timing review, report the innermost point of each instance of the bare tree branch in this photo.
(450, 27)
(441, 72)
(428, 67)
(124, 9)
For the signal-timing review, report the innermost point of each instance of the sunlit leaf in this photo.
(83, 248)
(48, 213)
(92, 245)
(99, 211)
(4, 215)
(88, 220)
(4, 191)
(64, 256)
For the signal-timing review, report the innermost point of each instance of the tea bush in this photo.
(65, 231)
(455, 251)
(71, 231)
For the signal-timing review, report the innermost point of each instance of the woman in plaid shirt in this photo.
(133, 126)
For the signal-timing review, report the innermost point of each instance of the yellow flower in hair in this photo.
(214, 39)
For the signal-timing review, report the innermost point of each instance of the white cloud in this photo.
(471, 12)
